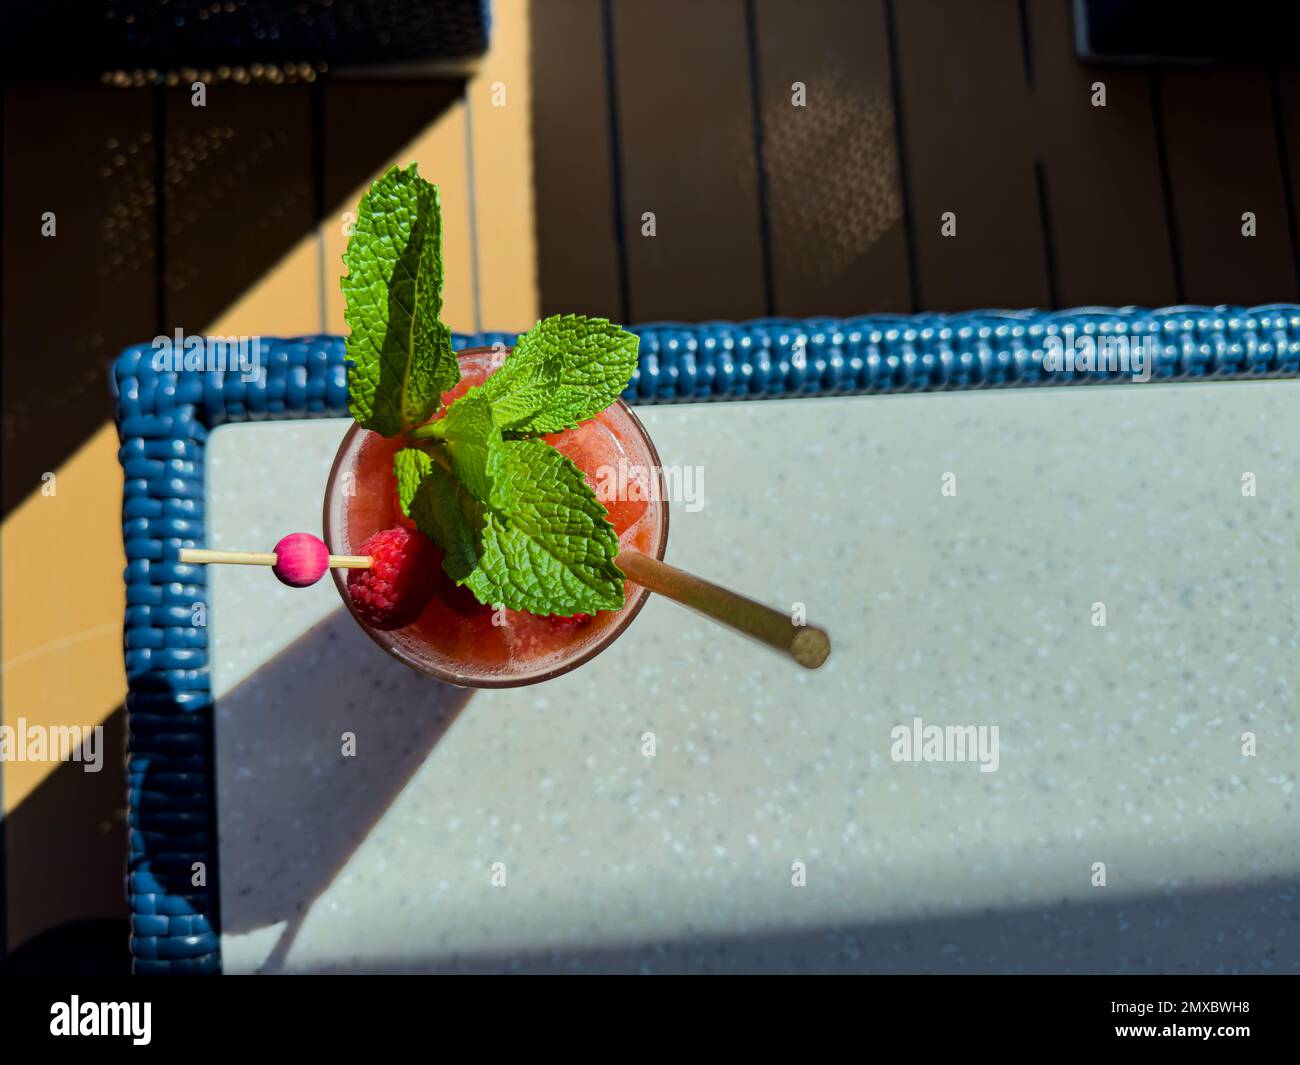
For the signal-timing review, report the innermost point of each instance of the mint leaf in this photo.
(410, 467)
(399, 354)
(440, 508)
(554, 553)
(476, 447)
(564, 370)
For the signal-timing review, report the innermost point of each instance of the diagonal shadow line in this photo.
(61, 864)
(294, 810)
(292, 807)
(1250, 927)
(206, 204)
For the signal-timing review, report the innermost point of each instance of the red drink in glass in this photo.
(457, 638)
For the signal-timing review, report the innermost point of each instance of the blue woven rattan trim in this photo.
(163, 421)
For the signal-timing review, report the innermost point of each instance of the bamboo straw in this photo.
(806, 644)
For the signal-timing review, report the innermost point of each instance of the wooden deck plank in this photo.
(969, 150)
(1221, 143)
(398, 123)
(1111, 244)
(688, 156)
(578, 265)
(1288, 117)
(238, 200)
(835, 204)
(499, 105)
(368, 124)
(73, 300)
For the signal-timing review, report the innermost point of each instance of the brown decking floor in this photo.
(912, 109)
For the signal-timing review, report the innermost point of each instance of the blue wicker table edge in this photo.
(164, 415)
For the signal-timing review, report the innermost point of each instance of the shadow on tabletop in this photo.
(293, 806)
(1245, 928)
(302, 809)
(294, 809)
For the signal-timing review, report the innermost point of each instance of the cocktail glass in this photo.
(457, 639)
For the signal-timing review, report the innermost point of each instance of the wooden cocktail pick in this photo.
(298, 560)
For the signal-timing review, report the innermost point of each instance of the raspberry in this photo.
(394, 591)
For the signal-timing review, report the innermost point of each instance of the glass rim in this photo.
(463, 680)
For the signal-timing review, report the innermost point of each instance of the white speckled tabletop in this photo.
(773, 829)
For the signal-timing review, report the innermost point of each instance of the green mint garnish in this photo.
(564, 370)
(539, 539)
(551, 552)
(554, 552)
(399, 353)
(441, 508)
(476, 448)
(518, 524)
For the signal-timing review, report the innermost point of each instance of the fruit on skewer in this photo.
(299, 559)
(389, 583)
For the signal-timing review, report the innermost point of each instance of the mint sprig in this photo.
(476, 448)
(564, 370)
(441, 508)
(551, 551)
(541, 541)
(399, 354)
(518, 524)
(554, 552)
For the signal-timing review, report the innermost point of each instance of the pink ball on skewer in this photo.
(301, 560)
